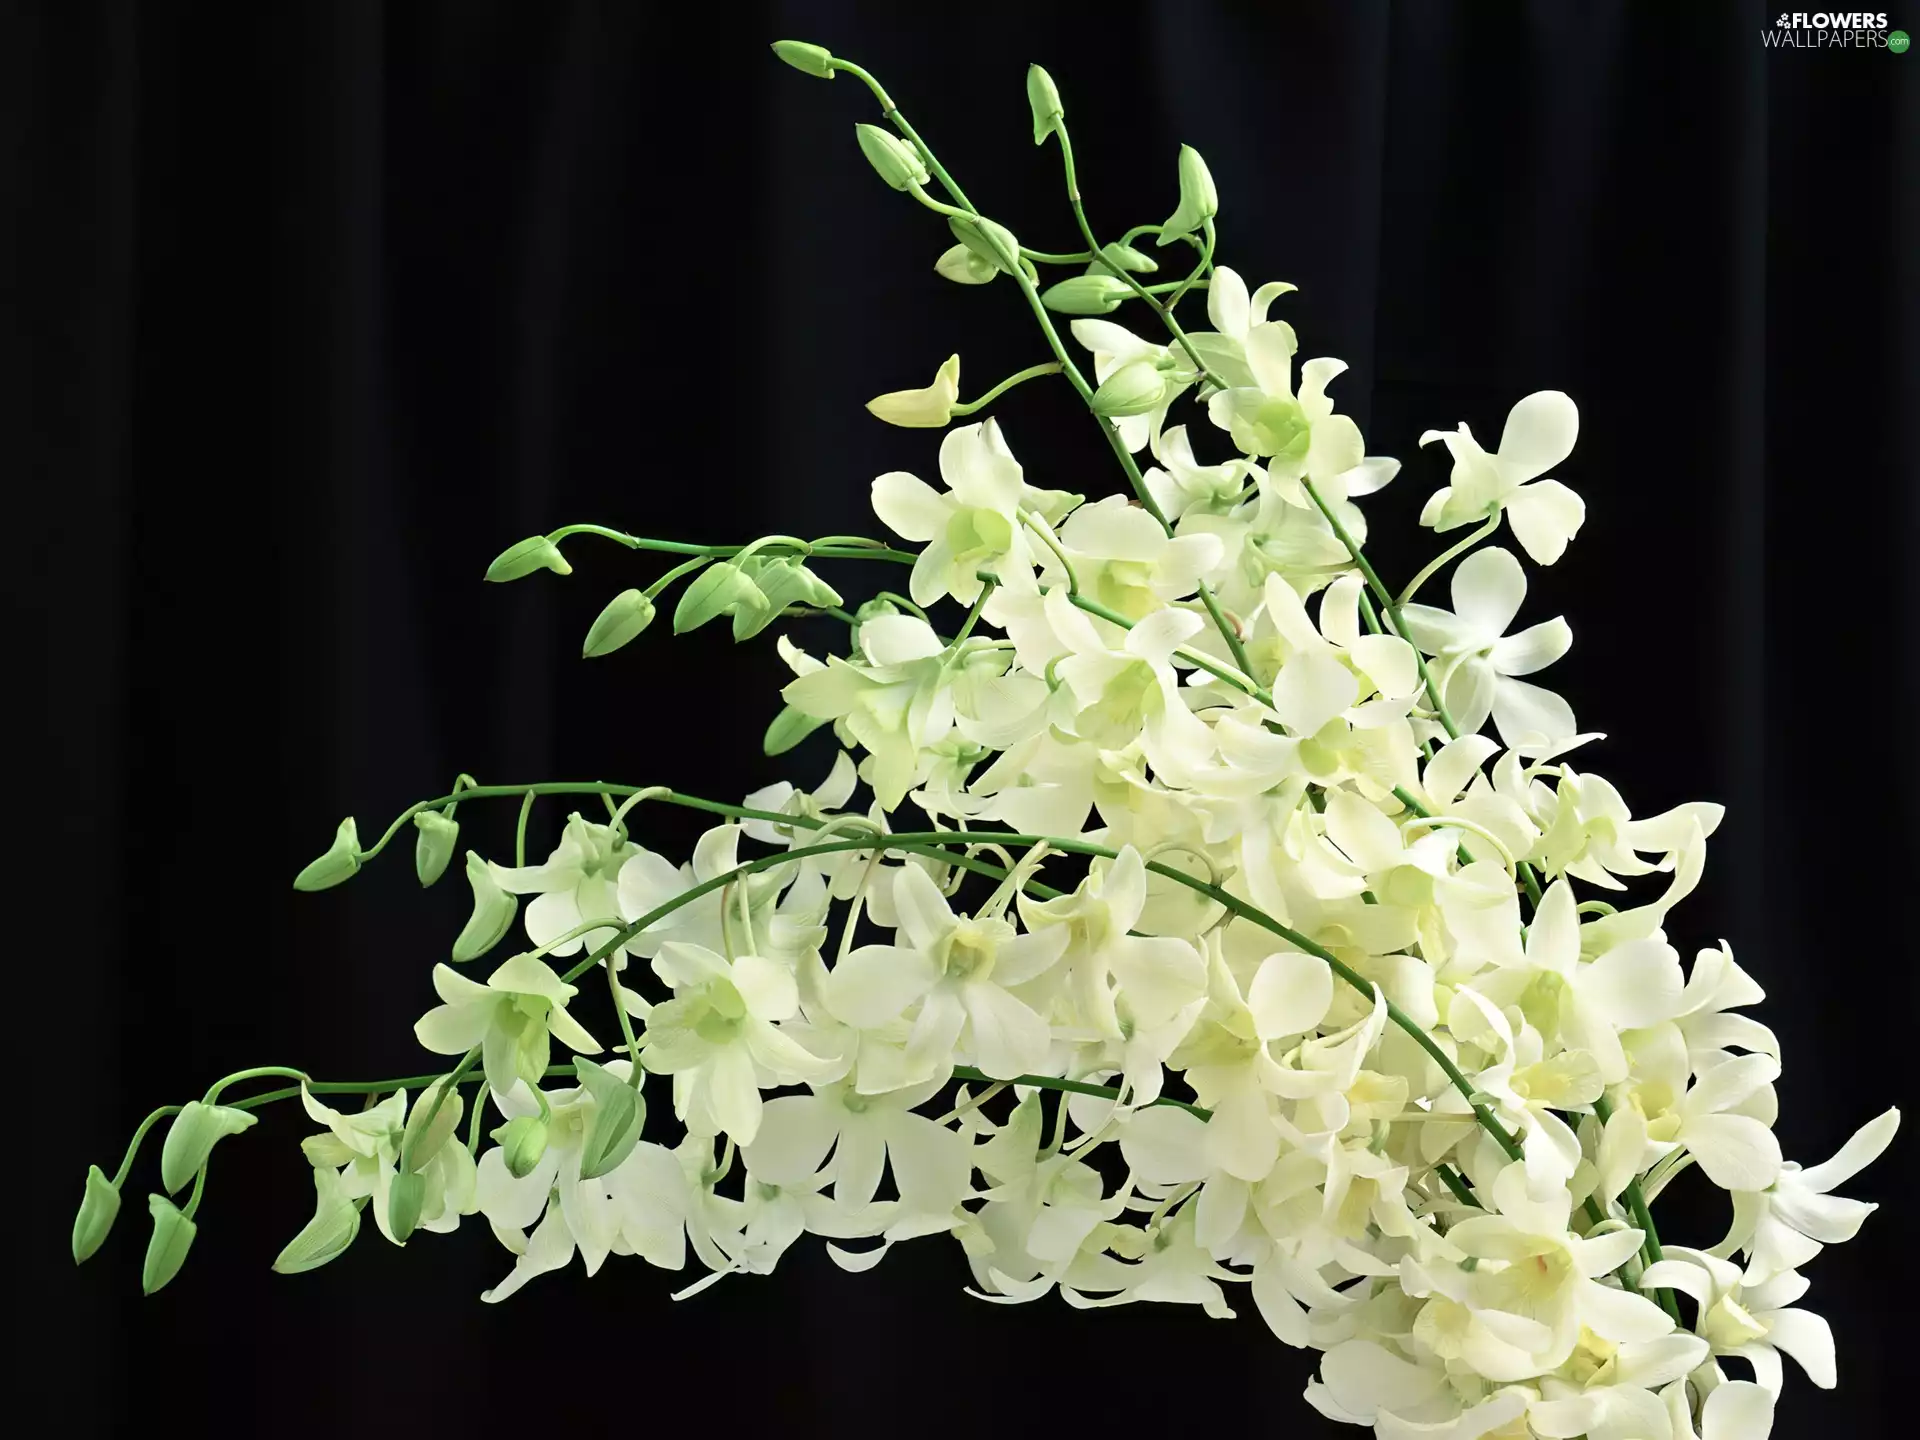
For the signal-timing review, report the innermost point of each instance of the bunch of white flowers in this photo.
(1190, 934)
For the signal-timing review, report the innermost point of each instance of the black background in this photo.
(310, 309)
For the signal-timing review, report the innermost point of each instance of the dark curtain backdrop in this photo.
(310, 309)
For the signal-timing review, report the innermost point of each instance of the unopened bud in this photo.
(808, 59)
(191, 1138)
(406, 1193)
(98, 1207)
(1198, 201)
(522, 1142)
(493, 912)
(1043, 98)
(1086, 295)
(1115, 257)
(963, 267)
(421, 1140)
(626, 615)
(788, 729)
(536, 552)
(618, 1113)
(340, 863)
(433, 847)
(894, 160)
(167, 1247)
(335, 1223)
(1133, 389)
(991, 242)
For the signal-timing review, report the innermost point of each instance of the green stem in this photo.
(1148, 294)
(652, 591)
(1642, 1217)
(973, 615)
(1426, 571)
(823, 549)
(519, 830)
(258, 1072)
(1045, 257)
(1388, 605)
(1032, 372)
(140, 1135)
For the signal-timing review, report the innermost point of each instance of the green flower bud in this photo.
(874, 608)
(493, 912)
(1133, 389)
(420, 1142)
(893, 159)
(98, 1207)
(963, 267)
(986, 240)
(433, 847)
(167, 1247)
(808, 59)
(1198, 201)
(406, 1193)
(788, 729)
(784, 580)
(536, 552)
(340, 863)
(720, 589)
(335, 1223)
(1115, 257)
(1044, 100)
(522, 1142)
(626, 615)
(619, 1112)
(192, 1136)
(1085, 295)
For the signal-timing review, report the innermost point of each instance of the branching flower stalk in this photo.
(1140, 777)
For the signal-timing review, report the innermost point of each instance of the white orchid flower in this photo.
(1545, 514)
(720, 1032)
(1480, 663)
(959, 973)
(577, 884)
(509, 1017)
(1790, 1221)
(1753, 1323)
(973, 525)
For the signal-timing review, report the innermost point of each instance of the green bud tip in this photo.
(808, 59)
(340, 863)
(626, 615)
(536, 552)
(406, 1193)
(433, 849)
(1199, 202)
(167, 1247)
(1086, 295)
(1043, 97)
(1133, 389)
(522, 1142)
(493, 912)
(98, 1208)
(893, 160)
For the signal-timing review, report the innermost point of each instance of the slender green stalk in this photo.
(1032, 372)
(1427, 571)
(140, 1135)
(1144, 292)
(1642, 1217)
(824, 549)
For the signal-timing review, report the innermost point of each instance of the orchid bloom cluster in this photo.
(1165, 924)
